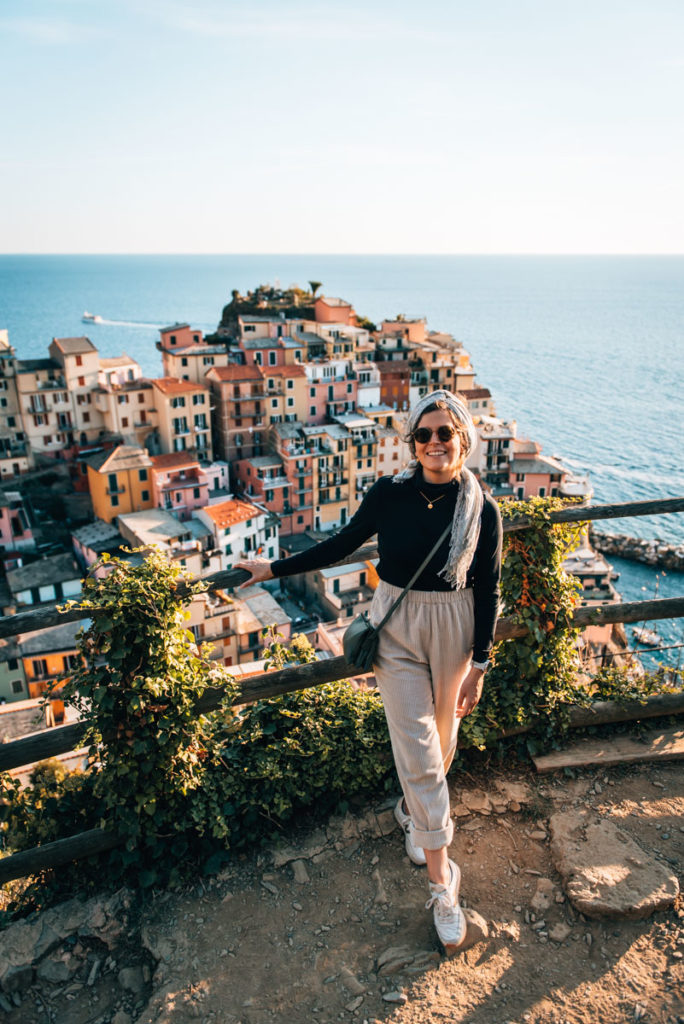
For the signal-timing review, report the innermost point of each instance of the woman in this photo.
(433, 651)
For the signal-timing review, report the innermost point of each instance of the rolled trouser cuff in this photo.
(435, 839)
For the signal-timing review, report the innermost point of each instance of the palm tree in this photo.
(314, 286)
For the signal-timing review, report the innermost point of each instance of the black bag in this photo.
(360, 643)
(361, 638)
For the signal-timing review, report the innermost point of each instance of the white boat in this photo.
(91, 318)
(647, 637)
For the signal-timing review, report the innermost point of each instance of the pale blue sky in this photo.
(206, 126)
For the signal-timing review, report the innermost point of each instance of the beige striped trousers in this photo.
(423, 656)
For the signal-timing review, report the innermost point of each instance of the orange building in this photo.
(334, 311)
(119, 482)
(47, 655)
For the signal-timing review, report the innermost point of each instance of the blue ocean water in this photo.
(585, 352)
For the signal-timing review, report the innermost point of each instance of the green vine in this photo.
(532, 678)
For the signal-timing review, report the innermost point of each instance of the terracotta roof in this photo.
(475, 393)
(72, 346)
(173, 386)
(387, 366)
(228, 513)
(175, 460)
(295, 370)
(235, 372)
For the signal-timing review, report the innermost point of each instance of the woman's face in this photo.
(441, 460)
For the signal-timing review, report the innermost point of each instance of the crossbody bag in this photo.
(360, 642)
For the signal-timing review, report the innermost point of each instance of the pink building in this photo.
(334, 311)
(332, 390)
(179, 484)
(15, 529)
(532, 474)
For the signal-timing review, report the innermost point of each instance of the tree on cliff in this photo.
(314, 286)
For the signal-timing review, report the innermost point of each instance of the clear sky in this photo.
(427, 126)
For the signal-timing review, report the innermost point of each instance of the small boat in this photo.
(647, 637)
(91, 318)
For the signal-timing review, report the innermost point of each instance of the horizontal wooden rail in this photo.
(63, 738)
(227, 579)
(87, 844)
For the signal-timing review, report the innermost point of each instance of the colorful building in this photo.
(119, 481)
(184, 417)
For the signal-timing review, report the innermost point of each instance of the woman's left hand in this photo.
(470, 692)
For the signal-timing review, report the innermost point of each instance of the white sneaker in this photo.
(450, 921)
(415, 853)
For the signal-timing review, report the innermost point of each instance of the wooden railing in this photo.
(63, 739)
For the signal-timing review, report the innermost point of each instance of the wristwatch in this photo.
(482, 665)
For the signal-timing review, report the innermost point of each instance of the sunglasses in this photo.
(423, 434)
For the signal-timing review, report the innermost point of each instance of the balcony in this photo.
(116, 490)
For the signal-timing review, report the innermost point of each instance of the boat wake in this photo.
(143, 324)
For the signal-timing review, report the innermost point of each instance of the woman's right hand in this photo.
(260, 569)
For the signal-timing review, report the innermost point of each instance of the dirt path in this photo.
(300, 942)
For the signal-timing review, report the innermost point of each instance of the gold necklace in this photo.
(429, 502)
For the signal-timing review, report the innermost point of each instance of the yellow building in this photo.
(287, 388)
(183, 414)
(119, 482)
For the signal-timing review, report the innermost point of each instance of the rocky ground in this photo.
(576, 878)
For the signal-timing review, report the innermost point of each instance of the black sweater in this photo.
(406, 530)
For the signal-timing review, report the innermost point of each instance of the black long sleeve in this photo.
(407, 528)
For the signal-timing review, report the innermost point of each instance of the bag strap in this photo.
(415, 576)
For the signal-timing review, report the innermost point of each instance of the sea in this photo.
(586, 353)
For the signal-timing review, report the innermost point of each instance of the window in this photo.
(81, 382)
(142, 475)
(312, 392)
(274, 403)
(290, 383)
(268, 496)
(173, 339)
(114, 500)
(208, 360)
(195, 492)
(123, 399)
(124, 421)
(17, 686)
(184, 361)
(11, 421)
(145, 495)
(79, 360)
(39, 668)
(12, 664)
(198, 399)
(86, 417)
(272, 358)
(177, 403)
(257, 358)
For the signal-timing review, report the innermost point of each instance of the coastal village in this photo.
(257, 440)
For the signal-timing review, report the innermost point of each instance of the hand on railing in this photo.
(260, 569)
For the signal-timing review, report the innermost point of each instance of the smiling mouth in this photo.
(440, 451)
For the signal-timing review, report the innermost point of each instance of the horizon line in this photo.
(342, 253)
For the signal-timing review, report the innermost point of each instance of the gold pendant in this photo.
(429, 504)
